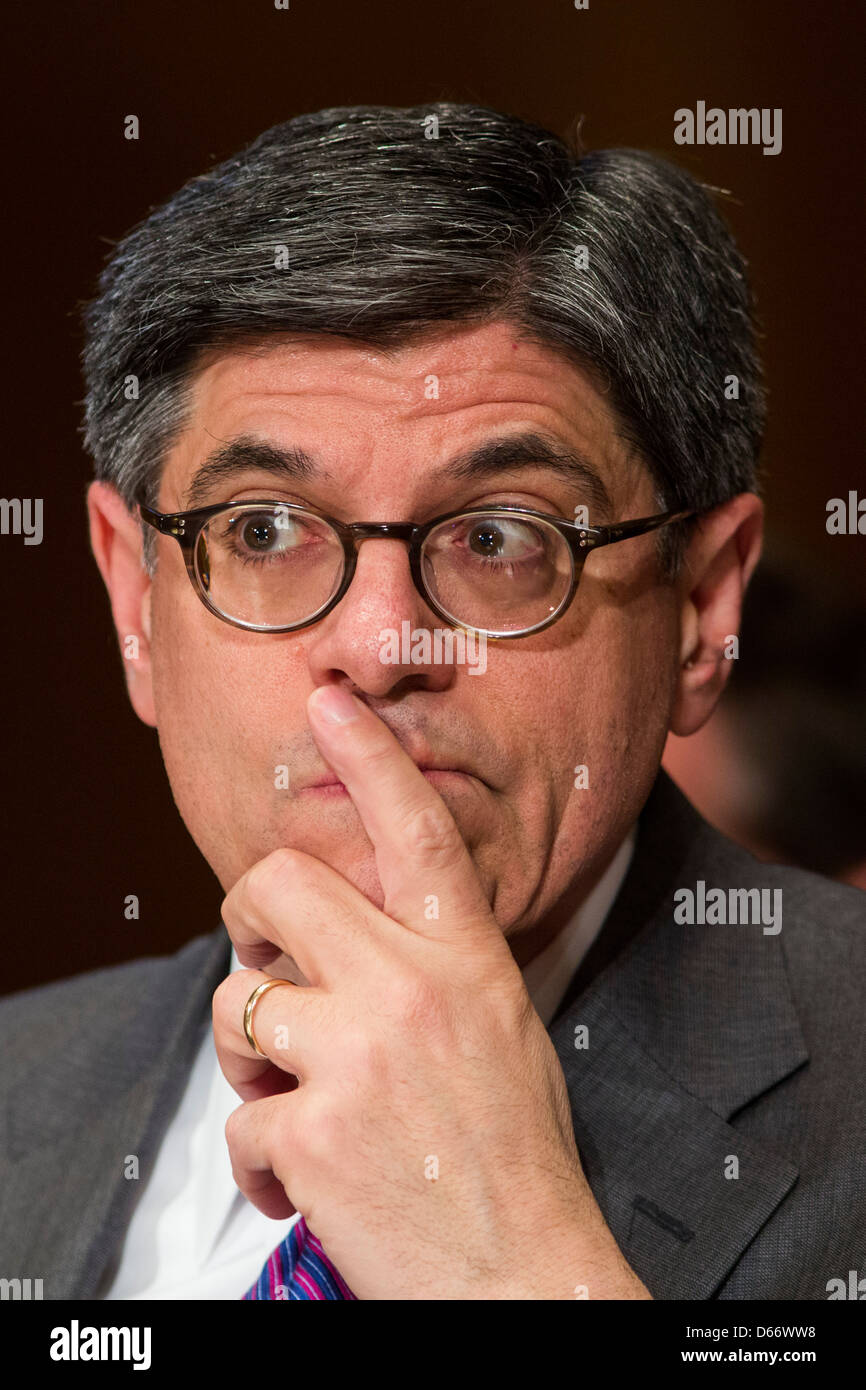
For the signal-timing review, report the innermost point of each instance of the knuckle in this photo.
(231, 994)
(232, 1125)
(417, 1002)
(321, 1132)
(364, 1055)
(223, 1009)
(219, 1000)
(270, 875)
(430, 833)
(286, 1131)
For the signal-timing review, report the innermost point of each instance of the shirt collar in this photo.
(547, 975)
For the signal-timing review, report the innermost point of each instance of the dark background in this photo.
(89, 813)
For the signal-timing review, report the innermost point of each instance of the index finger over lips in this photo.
(421, 857)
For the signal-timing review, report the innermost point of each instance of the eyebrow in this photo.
(531, 450)
(240, 456)
(508, 454)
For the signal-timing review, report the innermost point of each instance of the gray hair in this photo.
(389, 232)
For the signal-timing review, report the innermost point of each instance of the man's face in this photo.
(594, 689)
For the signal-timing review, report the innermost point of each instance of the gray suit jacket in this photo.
(705, 1044)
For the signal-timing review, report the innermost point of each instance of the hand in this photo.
(428, 1138)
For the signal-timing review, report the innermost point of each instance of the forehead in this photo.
(359, 407)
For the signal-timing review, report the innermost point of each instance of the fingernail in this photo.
(335, 704)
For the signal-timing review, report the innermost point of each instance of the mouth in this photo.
(452, 777)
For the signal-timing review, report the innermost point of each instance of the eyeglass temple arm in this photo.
(609, 535)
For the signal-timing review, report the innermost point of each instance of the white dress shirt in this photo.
(193, 1235)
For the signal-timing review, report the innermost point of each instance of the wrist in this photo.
(576, 1260)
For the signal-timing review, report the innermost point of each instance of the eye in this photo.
(268, 534)
(500, 539)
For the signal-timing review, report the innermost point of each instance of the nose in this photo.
(362, 639)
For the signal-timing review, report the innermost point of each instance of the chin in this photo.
(362, 874)
(347, 851)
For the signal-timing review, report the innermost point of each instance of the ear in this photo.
(115, 537)
(716, 569)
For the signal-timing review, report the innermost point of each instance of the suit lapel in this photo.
(71, 1156)
(683, 1028)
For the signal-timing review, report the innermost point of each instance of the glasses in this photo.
(277, 567)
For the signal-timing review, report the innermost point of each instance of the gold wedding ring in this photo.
(251, 1004)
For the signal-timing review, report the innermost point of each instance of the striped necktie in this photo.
(299, 1269)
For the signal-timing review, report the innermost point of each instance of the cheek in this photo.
(610, 708)
(189, 673)
(204, 726)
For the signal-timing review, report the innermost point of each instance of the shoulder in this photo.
(819, 926)
(778, 940)
(823, 941)
(84, 1008)
(819, 923)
